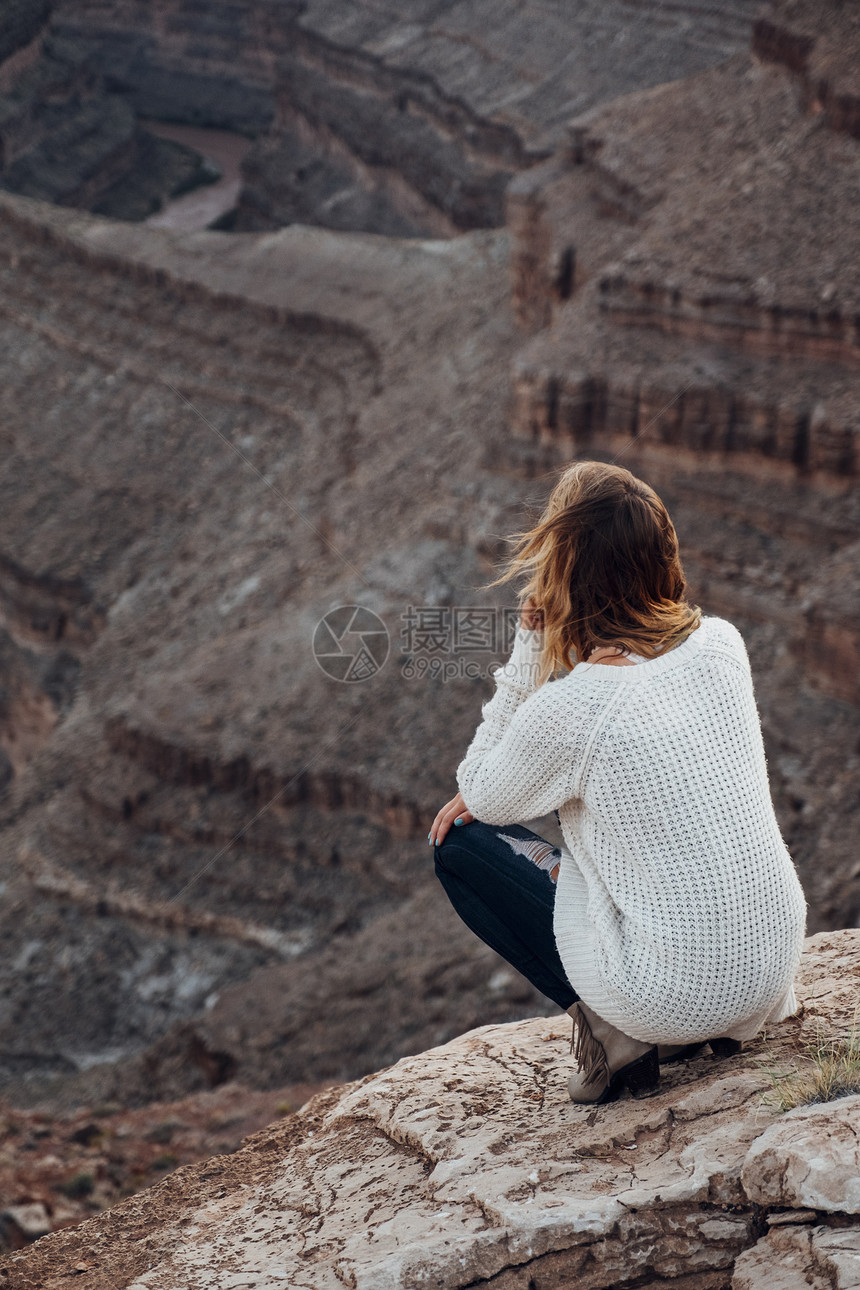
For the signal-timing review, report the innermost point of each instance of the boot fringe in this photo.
(588, 1053)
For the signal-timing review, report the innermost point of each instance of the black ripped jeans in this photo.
(506, 900)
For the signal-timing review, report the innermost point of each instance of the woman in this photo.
(677, 916)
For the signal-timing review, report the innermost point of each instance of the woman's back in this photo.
(678, 915)
(694, 913)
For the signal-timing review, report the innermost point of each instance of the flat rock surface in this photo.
(468, 1164)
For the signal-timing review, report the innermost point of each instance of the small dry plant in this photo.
(831, 1069)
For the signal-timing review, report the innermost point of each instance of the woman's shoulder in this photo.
(719, 633)
(597, 683)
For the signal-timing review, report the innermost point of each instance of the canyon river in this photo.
(199, 208)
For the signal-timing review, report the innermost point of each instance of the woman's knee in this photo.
(448, 854)
(462, 846)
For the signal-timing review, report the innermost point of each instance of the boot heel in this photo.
(680, 1055)
(638, 1076)
(643, 1074)
(725, 1047)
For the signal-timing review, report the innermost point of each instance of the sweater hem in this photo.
(577, 943)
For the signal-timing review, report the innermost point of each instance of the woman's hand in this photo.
(452, 811)
(531, 617)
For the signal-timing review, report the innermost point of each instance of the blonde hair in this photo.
(602, 563)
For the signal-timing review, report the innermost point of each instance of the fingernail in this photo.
(458, 821)
(429, 836)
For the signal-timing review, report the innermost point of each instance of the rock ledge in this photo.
(467, 1164)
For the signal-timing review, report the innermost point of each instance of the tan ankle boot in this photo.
(607, 1060)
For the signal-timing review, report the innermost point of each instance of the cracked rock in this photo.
(468, 1164)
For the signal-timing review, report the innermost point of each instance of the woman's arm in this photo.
(525, 764)
(515, 681)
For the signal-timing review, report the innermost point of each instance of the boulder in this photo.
(801, 1258)
(21, 1224)
(811, 1158)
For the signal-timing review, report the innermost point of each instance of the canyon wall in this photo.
(407, 120)
(67, 135)
(198, 473)
(215, 853)
(820, 46)
(689, 297)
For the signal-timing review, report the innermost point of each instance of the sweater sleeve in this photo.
(515, 681)
(526, 755)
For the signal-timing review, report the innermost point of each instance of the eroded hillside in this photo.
(402, 119)
(215, 854)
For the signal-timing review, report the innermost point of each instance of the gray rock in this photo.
(22, 1224)
(810, 1158)
(468, 1164)
(801, 1258)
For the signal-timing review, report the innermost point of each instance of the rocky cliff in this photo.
(820, 46)
(467, 1165)
(685, 275)
(68, 136)
(192, 450)
(215, 853)
(406, 119)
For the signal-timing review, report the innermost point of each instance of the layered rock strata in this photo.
(820, 46)
(66, 138)
(682, 324)
(215, 852)
(192, 449)
(400, 121)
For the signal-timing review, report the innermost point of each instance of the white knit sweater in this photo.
(678, 912)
